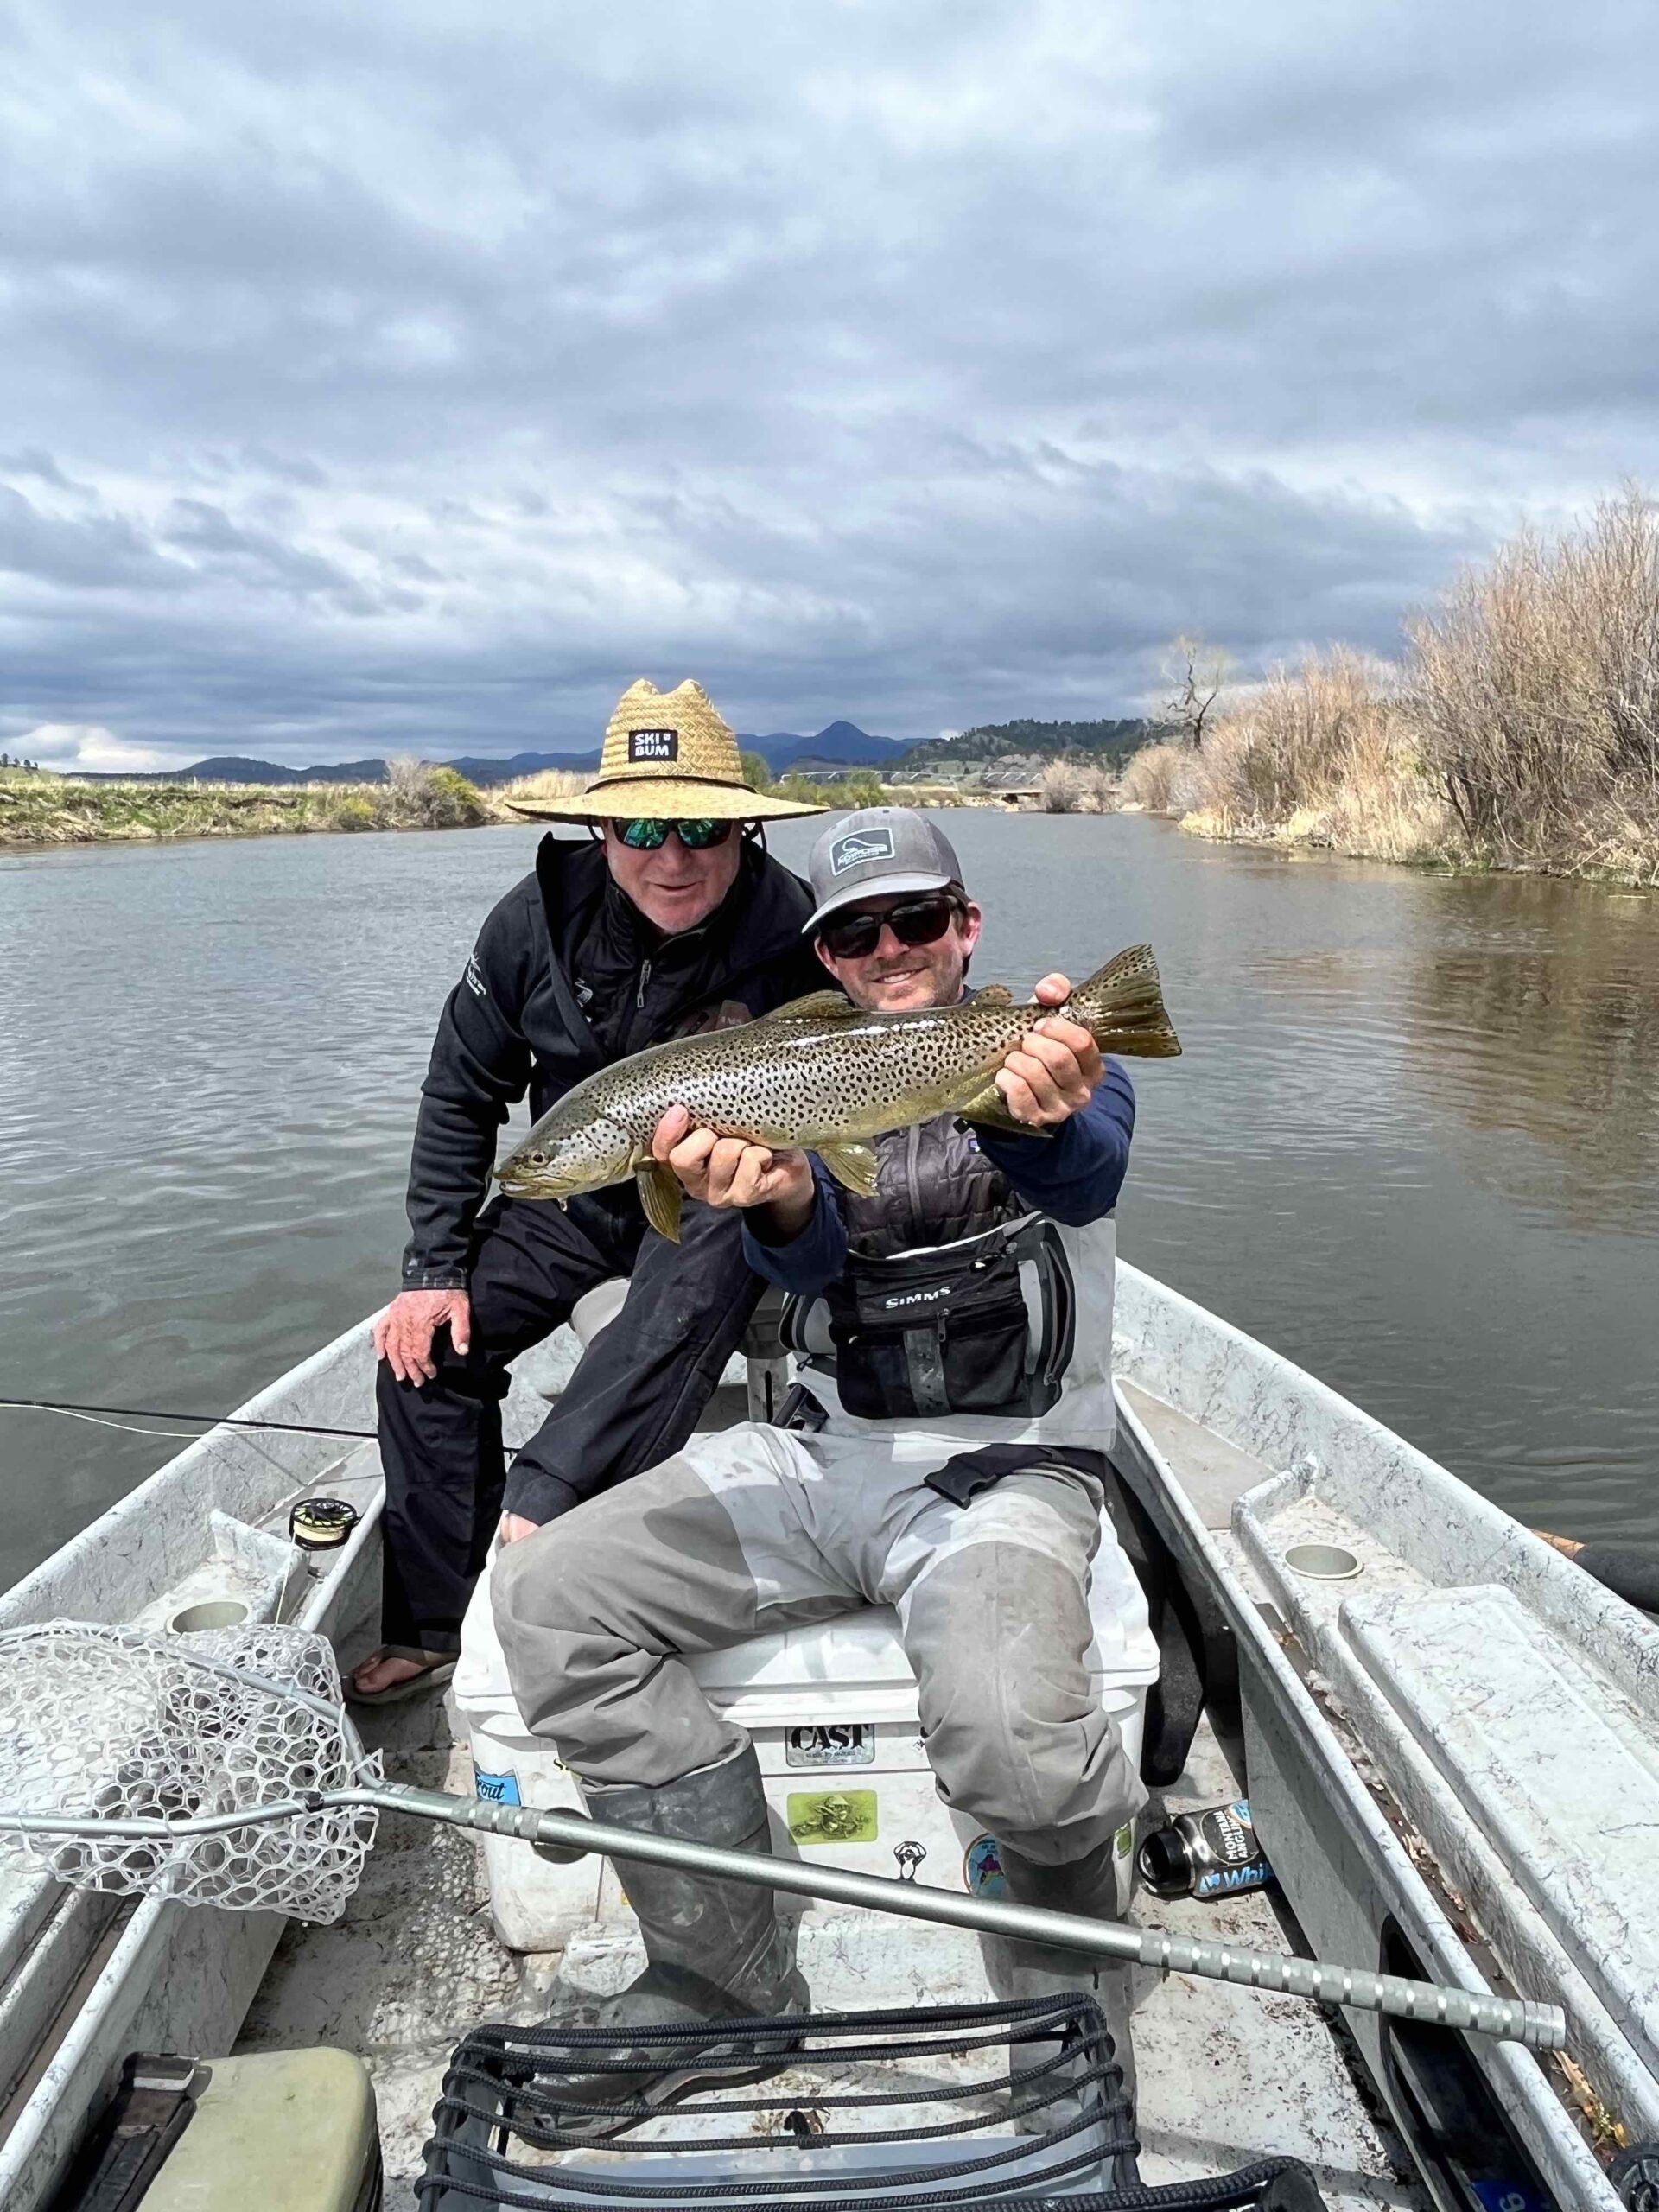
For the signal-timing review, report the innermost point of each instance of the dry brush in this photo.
(1520, 728)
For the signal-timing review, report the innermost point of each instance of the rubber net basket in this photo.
(889, 2111)
(112, 1724)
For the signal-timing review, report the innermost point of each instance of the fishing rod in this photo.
(1630, 1574)
(77, 1411)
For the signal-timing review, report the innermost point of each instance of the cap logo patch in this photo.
(857, 846)
(653, 745)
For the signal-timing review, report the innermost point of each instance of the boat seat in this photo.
(1557, 1769)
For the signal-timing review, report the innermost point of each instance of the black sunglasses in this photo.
(917, 921)
(647, 833)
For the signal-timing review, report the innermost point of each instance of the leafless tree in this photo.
(1198, 672)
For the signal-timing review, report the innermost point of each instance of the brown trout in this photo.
(823, 1075)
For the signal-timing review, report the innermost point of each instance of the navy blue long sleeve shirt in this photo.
(1075, 1175)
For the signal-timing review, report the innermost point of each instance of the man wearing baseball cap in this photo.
(966, 1302)
(668, 916)
(881, 851)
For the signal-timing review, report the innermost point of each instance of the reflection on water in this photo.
(1412, 1141)
(1547, 1003)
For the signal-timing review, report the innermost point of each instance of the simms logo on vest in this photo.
(916, 1297)
(653, 745)
(860, 845)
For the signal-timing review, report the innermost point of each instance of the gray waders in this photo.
(1087, 1886)
(715, 1950)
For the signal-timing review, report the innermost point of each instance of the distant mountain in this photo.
(236, 768)
(484, 768)
(841, 742)
(1110, 740)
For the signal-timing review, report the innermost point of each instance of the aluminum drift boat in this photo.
(1450, 1786)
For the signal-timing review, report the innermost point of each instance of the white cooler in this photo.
(831, 1710)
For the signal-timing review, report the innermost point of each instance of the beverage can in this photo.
(1211, 1853)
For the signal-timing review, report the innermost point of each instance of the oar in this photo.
(58, 1680)
(1630, 1574)
(1543, 2027)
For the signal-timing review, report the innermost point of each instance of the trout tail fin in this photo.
(1123, 1008)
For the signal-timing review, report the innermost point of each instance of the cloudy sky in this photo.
(411, 377)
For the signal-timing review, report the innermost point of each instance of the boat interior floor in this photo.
(1225, 2074)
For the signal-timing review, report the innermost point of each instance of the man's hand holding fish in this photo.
(1051, 1074)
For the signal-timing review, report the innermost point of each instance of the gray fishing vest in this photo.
(961, 1312)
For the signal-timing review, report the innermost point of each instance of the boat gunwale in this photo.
(1516, 2078)
(1619, 1639)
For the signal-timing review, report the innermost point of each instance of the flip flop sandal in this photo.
(430, 1678)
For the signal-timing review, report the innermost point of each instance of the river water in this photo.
(1413, 1141)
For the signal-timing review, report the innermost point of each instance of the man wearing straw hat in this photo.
(672, 918)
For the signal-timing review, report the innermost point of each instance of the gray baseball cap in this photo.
(874, 853)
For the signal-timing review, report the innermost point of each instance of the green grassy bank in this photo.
(39, 808)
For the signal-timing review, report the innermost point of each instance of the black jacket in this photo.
(567, 976)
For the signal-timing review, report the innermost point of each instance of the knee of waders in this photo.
(1015, 1733)
(545, 1584)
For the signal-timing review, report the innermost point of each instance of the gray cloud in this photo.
(416, 376)
(97, 553)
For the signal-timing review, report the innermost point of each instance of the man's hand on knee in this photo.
(514, 1528)
(730, 1171)
(404, 1334)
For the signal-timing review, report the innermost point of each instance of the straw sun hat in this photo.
(668, 754)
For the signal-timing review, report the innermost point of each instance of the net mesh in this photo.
(112, 1724)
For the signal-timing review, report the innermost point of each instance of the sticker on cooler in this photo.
(981, 1870)
(832, 1816)
(832, 1743)
(499, 1788)
(984, 1876)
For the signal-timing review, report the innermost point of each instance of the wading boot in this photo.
(1088, 1887)
(715, 1950)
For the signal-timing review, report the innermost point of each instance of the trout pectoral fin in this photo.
(817, 1006)
(659, 1194)
(990, 1110)
(853, 1165)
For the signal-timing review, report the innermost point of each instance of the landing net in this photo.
(118, 1726)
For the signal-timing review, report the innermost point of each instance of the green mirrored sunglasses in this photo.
(646, 835)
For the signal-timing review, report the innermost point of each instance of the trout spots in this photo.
(817, 1079)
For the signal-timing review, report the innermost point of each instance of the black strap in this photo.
(972, 1473)
(155, 2104)
(1175, 1701)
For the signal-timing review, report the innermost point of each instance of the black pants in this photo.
(634, 1398)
